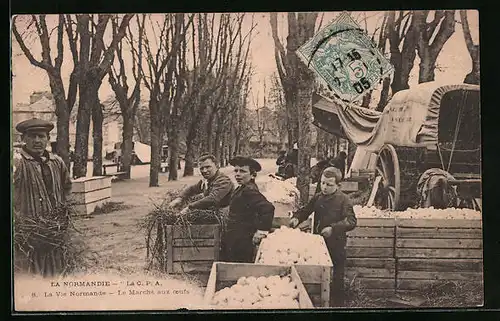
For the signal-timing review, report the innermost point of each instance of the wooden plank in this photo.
(370, 252)
(313, 288)
(86, 184)
(325, 286)
(376, 283)
(438, 233)
(440, 243)
(211, 284)
(86, 209)
(372, 232)
(439, 265)
(309, 273)
(193, 242)
(427, 275)
(192, 254)
(375, 222)
(347, 186)
(233, 271)
(192, 266)
(217, 233)
(170, 252)
(363, 272)
(438, 253)
(315, 299)
(304, 300)
(369, 242)
(442, 223)
(378, 263)
(195, 231)
(373, 192)
(91, 196)
(408, 284)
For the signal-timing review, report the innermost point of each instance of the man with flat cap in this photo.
(41, 185)
(250, 214)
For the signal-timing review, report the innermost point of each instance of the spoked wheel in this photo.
(389, 188)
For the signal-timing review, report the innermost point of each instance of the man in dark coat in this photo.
(42, 185)
(250, 214)
(215, 186)
(333, 217)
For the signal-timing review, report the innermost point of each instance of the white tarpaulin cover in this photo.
(143, 152)
(410, 119)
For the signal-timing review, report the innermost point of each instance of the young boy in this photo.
(334, 216)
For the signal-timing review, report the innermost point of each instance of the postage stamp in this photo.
(345, 58)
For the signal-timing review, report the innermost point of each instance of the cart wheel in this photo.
(389, 188)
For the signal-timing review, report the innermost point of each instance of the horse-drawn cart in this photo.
(431, 131)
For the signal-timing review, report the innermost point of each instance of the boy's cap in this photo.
(246, 161)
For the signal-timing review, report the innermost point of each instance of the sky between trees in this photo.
(453, 62)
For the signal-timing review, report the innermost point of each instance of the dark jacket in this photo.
(333, 210)
(216, 195)
(249, 211)
(293, 157)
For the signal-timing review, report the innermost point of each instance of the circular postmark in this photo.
(346, 59)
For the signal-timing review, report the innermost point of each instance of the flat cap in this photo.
(34, 124)
(246, 161)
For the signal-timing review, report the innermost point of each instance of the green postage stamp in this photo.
(345, 58)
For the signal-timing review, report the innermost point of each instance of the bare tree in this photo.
(402, 33)
(119, 83)
(298, 85)
(95, 61)
(158, 75)
(474, 76)
(431, 39)
(284, 63)
(64, 103)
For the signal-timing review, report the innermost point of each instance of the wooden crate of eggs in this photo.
(255, 286)
(308, 253)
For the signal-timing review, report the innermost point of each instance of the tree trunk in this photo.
(305, 149)
(384, 94)
(82, 130)
(97, 120)
(156, 142)
(63, 116)
(217, 141)
(127, 141)
(189, 157)
(474, 76)
(426, 68)
(173, 148)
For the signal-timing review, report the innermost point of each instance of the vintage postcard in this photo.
(209, 161)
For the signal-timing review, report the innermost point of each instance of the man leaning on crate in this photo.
(215, 186)
(333, 217)
(41, 189)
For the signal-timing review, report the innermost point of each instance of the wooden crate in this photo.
(227, 274)
(370, 254)
(192, 250)
(90, 192)
(432, 251)
(316, 278)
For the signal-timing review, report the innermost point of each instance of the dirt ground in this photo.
(116, 239)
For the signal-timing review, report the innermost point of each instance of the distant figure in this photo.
(281, 163)
(292, 162)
